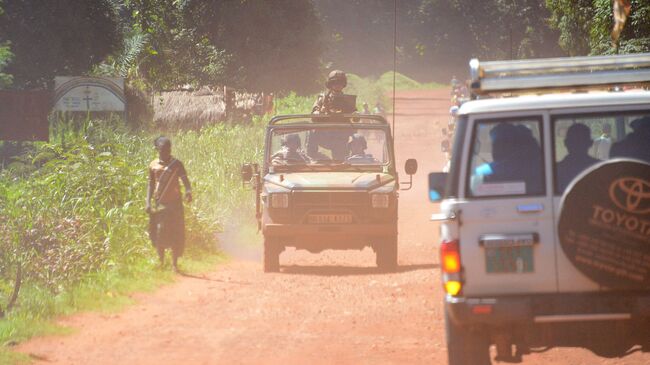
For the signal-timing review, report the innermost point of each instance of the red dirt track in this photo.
(331, 308)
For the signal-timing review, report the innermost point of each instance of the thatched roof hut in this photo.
(189, 109)
(194, 109)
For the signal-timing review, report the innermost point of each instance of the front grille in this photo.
(303, 203)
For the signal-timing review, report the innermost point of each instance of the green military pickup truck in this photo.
(328, 182)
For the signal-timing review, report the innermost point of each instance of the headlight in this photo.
(279, 200)
(380, 200)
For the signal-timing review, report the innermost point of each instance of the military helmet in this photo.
(336, 76)
(291, 141)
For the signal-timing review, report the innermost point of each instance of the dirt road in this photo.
(332, 308)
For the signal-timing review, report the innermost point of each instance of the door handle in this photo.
(530, 208)
(441, 217)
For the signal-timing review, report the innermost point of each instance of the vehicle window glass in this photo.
(329, 146)
(584, 140)
(507, 158)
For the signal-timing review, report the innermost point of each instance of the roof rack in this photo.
(328, 118)
(559, 74)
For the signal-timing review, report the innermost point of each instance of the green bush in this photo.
(372, 90)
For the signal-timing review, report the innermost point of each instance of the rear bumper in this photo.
(549, 308)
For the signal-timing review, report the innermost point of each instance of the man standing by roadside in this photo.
(166, 218)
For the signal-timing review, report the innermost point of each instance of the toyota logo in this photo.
(631, 194)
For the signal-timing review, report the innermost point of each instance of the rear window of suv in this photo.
(507, 158)
(581, 141)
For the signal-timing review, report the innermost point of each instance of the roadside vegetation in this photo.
(372, 90)
(74, 228)
(73, 231)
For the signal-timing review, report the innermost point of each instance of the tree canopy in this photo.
(585, 26)
(5, 57)
(289, 45)
(61, 37)
(436, 38)
(275, 45)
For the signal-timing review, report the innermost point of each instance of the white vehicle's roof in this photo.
(555, 101)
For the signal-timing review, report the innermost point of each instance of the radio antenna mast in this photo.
(394, 60)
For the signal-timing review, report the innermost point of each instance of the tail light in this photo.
(450, 257)
(451, 267)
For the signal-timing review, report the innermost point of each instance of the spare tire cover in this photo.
(604, 225)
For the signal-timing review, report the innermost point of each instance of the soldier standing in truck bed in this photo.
(336, 82)
(335, 141)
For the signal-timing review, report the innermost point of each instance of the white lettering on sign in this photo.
(89, 94)
(495, 189)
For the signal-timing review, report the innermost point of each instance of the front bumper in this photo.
(330, 236)
(546, 308)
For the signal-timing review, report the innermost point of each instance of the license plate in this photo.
(330, 218)
(512, 259)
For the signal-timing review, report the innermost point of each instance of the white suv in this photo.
(523, 267)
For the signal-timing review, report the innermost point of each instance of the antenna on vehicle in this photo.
(394, 60)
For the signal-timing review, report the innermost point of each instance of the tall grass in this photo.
(73, 215)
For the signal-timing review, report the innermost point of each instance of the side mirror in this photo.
(411, 166)
(437, 185)
(246, 173)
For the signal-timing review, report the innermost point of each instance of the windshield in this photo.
(331, 147)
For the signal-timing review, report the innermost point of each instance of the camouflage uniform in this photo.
(324, 103)
(335, 141)
(290, 152)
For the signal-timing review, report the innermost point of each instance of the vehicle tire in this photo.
(271, 254)
(465, 346)
(386, 251)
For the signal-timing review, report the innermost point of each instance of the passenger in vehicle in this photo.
(636, 144)
(516, 157)
(603, 144)
(578, 142)
(335, 140)
(358, 146)
(291, 152)
(313, 151)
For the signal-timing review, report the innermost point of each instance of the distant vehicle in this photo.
(328, 181)
(532, 254)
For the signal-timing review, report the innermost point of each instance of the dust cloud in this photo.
(241, 240)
